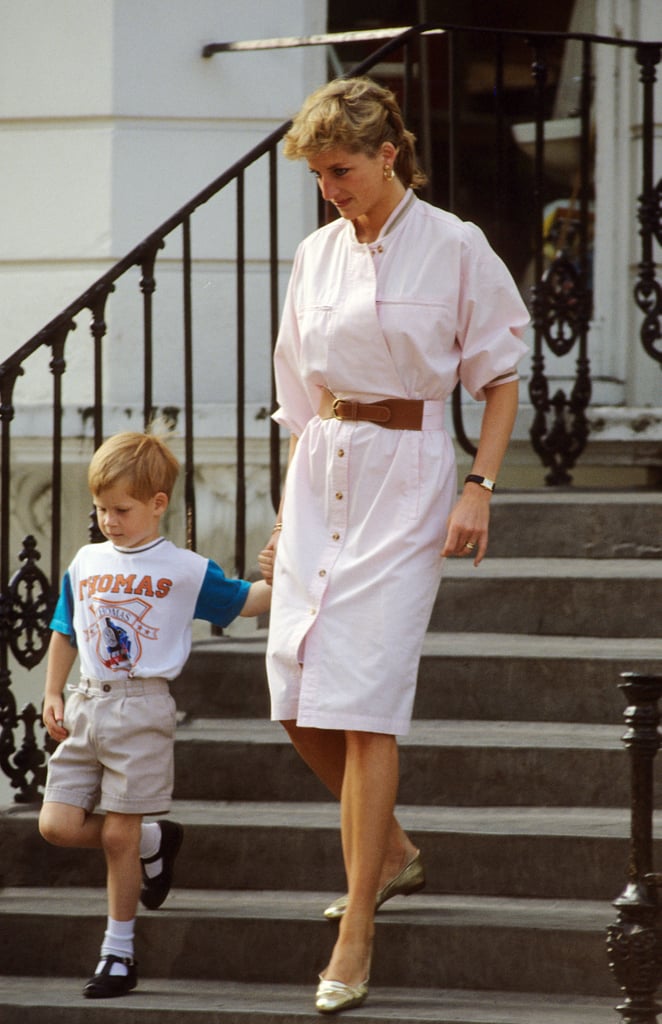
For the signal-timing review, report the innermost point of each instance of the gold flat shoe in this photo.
(407, 881)
(334, 996)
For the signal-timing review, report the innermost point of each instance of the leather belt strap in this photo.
(394, 413)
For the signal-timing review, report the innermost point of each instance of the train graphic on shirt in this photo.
(118, 632)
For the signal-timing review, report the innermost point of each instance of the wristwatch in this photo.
(483, 481)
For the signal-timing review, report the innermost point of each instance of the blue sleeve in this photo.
(220, 599)
(63, 616)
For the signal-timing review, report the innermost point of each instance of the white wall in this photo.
(110, 119)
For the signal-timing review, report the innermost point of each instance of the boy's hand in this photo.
(267, 558)
(53, 718)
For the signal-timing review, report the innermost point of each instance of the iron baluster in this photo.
(648, 291)
(500, 190)
(562, 299)
(26, 614)
(634, 942)
(274, 432)
(538, 389)
(8, 376)
(189, 462)
(58, 366)
(31, 605)
(98, 329)
(9, 721)
(148, 287)
(581, 392)
(453, 157)
(240, 494)
(25, 767)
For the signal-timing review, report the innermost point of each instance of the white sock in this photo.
(150, 844)
(118, 941)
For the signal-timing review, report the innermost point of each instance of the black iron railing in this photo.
(561, 305)
(634, 940)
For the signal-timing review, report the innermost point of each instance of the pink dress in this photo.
(358, 564)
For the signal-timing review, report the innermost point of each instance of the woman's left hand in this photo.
(467, 526)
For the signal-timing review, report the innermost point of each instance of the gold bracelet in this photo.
(278, 526)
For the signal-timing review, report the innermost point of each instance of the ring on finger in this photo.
(470, 545)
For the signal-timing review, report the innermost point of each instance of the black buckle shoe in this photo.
(154, 890)
(105, 985)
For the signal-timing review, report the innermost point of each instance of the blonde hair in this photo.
(143, 462)
(358, 115)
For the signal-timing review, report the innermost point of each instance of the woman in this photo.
(386, 307)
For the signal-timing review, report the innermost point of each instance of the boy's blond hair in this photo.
(143, 462)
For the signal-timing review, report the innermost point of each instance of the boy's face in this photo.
(127, 521)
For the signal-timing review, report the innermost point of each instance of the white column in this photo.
(617, 351)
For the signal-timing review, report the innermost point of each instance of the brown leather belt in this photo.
(395, 413)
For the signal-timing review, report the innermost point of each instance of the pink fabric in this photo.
(358, 563)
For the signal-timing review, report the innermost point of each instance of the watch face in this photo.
(484, 481)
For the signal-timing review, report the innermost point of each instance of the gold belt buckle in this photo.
(337, 402)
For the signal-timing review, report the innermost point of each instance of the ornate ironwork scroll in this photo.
(562, 299)
(24, 619)
(30, 608)
(648, 290)
(634, 942)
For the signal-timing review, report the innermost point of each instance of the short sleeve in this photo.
(220, 599)
(63, 616)
(491, 317)
(294, 408)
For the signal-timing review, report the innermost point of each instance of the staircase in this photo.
(515, 785)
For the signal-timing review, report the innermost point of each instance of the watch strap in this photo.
(482, 481)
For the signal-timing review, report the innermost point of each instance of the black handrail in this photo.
(559, 431)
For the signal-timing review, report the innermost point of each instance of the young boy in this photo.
(126, 609)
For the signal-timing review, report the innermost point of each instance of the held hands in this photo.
(53, 718)
(467, 526)
(267, 557)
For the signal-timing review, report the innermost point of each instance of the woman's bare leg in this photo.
(368, 797)
(324, 751)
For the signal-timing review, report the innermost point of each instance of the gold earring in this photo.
(388, 172)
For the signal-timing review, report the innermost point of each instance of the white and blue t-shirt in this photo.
(129, 611)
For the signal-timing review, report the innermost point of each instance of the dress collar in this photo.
(398, 214)
(393, 220)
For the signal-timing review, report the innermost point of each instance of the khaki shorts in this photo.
(119, 754)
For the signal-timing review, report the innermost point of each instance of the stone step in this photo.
(576, 524)
(165, 1001)
(462, 675)
(547, 853)
(466, 942)
(445, 763)
(553, 596)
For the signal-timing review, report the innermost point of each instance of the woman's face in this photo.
(355, 183)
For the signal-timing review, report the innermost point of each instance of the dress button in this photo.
(107, 687)
(341, 452)
(339, 495)
(322, 572)
(335, 536)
